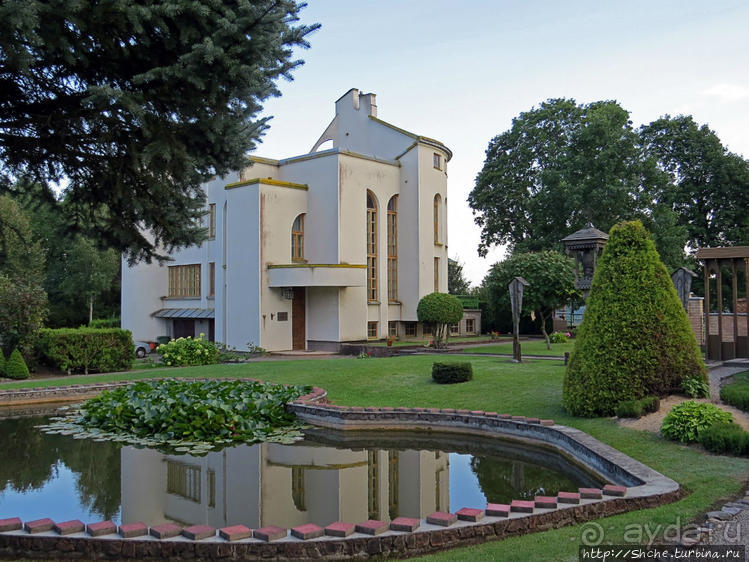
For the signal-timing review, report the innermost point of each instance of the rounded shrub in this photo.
(736, 394)
(635, 339)
(695, 387)
(650, 404)
(451, 373)
(16, 368)
(686, 421)
(439, 309)
(726, 438)
(184, 352)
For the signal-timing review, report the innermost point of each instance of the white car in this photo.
(143, 348)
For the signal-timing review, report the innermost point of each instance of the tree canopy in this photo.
(563, 164)
(551, 283)
(130, 106)
(439, 310)
(457, 284)
(635, 339)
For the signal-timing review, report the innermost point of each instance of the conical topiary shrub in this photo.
(16, 367)
(635, 337)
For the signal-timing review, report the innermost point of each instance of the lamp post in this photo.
(586, 246)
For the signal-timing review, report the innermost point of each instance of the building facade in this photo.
(337, 245)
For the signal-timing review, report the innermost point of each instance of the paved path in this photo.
(718, 372)
(729, 526)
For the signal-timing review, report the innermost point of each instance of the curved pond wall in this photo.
(634, 486)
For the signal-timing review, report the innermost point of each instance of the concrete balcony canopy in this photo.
(317, 275)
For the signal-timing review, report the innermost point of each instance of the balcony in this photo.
(317, 275)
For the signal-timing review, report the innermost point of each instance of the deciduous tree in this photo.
(551, 283)
(440, 310)
(457, 284)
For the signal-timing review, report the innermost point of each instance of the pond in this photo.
(329, 476)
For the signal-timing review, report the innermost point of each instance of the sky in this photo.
(460, 71)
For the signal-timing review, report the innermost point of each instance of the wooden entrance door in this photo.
(298, 321)
(184, 328)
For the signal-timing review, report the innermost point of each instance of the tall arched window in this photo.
(371, 247)
(437, 205)
(393, 248)
(297, 239)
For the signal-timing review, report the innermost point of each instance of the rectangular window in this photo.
(437, 161)
(283, 316)
(211, 488)
(392, 220)
(372, 255)
(373, 484)
(436, 275)
(184, 280)
(372, 330)
(470, 326)
(212, 221)
(183, 480)
(411, 329)
(427, 330)
(454, 329)
(211, 279)
(392, 328)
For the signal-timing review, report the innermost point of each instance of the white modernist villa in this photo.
(311, 251)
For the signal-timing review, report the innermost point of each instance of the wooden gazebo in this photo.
(726, 333)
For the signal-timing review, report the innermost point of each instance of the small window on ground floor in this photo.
(392, 328)
(411, 329)
(470, 326)
(454, 329)
(372, 330)
(427, 330)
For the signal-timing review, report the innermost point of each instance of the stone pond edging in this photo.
(638, 487)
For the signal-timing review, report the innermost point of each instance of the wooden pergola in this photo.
(735, 259)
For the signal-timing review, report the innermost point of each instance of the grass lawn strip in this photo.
(531, 388)
(527, 347)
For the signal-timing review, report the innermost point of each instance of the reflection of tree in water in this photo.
(97, 469)
(505, 480)
(30, 460)
(29, 456)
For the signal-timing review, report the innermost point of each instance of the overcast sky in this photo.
(460, 71)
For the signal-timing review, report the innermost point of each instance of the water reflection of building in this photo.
(273, 484)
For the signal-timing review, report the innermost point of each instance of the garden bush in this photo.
(113, 322)
(87, 349)
(736, 394)
(635, 339)
(451, 373)
(725, 438)
(559, 337)
(184, 352)
(629, 409)
(439, 310)
(650, 404)
(2, 363)
(687, 420)
(15, 367)
(696, 387)
(636, 408)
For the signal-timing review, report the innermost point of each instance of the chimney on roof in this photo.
(368, 103)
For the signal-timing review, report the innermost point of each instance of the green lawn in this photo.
(532, 388)
(533, 347)
(452, 340)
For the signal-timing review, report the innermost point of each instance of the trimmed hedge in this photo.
(87, 349)
(635, 339)
(113, 322)
(16, 367)
(725, 438)
(451, 373)
(636, 408)
(736, 394)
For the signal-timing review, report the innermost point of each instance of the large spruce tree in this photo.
(635, 339)
(131, 105)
